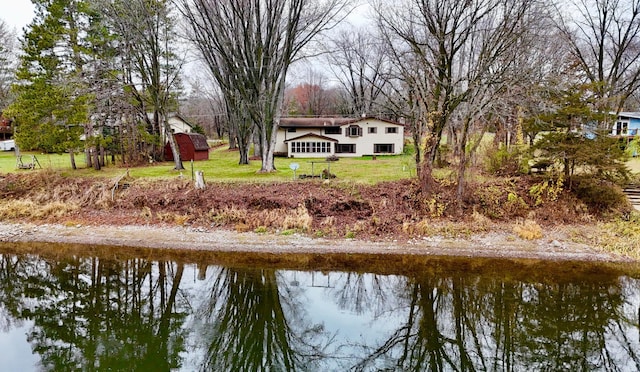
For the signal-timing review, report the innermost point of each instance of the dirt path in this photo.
(498, 245)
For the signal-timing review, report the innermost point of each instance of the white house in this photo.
(344, 137)
(177, 123)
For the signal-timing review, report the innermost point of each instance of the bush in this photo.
(528, 230)
(601, 196)
(504, 161)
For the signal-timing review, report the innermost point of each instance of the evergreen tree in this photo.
(573, 140)
(51, 103)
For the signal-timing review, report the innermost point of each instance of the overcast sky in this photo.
(16, 13)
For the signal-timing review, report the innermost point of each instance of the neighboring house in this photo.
(193, 146)
(177, 123)
(627, 124)
(344, 137)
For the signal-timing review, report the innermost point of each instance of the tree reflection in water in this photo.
(137, 314)
(477, 323)
(96, 314)
(250, 318)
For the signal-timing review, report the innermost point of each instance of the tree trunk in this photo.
(172, 143)
(268, 163)
(243, 147)
(427, 182)
(417, 138)
(462, 167)
(72, 157)
(96, 159)
(87, 157)
(233, 137)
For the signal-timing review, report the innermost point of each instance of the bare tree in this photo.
(205, 108)
(604, 36)
(149, 63)
(7, 62)
(249, 46)
(460, 51)
(360, 63)
(310, 97)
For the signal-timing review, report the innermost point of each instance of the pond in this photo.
(107, 308)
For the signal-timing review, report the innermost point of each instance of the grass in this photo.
(634, 165)
(223, 166)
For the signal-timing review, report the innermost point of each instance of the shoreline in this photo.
(487, 245)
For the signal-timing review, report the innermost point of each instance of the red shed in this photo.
(193, 146)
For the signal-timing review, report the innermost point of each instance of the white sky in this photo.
(16, 13)
(19, 13)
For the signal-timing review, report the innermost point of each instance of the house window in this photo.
(354, 131)
(310, 147)
(372, 130)
(391, 130)
(383, 148)
(333, 130)
(291, 130)
(345, 148)
(621, 128)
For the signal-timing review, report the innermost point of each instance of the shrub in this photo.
(601, 196)
(528, 230)
(515, 205)
(547, 190)
(506, 161)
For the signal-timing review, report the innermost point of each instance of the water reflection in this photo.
(97, 311)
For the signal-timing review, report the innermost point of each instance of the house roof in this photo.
(312, 135)
(629, 114)
(305, 122)
(199, 141)
(171, 115)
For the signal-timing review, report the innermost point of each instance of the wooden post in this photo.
(200, 185)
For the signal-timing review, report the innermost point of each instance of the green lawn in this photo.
(634, 165)
(223, 166)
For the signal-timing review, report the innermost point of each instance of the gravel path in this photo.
(499, 245)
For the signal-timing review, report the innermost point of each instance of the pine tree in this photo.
(52, 103)
(573, 140)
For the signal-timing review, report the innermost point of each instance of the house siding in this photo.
(627, 124)
(365, 144)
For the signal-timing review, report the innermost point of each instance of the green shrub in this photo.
(547, 190)
(506, 161)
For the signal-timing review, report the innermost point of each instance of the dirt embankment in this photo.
(500, 219)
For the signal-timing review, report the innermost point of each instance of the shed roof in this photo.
(199, 141)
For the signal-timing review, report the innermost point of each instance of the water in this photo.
(92, 308)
